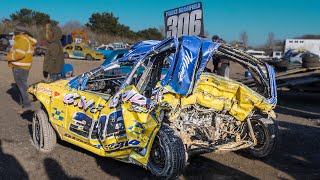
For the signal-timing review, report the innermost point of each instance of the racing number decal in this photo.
(111, 126)
(184, 21)
(81, 125)
(185, 24)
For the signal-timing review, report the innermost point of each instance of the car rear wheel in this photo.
(43, 135)
(66, 55)
(167, 158)
(89, 57)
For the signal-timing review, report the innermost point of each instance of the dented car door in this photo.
(83, 111)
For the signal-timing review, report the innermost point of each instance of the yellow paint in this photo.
(218, 93)
(85, 51)
(55, 93)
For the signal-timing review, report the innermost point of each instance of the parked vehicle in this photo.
(277, 54)
(106, 50)
(310, 45)
(6, 42)
(81, 51)
(157, 123)
(258, 54)
(294, 56)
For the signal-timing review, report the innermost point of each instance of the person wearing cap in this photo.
(54, 58)
(20, 60)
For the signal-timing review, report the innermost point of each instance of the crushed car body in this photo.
(157, 121)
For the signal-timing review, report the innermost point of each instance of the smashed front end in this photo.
(208, 111)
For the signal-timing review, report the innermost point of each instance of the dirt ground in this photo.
(297, 157)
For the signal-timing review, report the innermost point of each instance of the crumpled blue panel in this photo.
(208, 50)
(138, 50)
(273, 86)
(144, 43)
(181, 75)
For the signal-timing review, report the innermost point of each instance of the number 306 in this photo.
(185, 24)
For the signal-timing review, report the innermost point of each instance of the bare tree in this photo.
(244, 39)
(270, 41)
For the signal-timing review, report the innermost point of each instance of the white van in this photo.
(258, 54)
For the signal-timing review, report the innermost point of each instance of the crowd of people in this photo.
(20, 60)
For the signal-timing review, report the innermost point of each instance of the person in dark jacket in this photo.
(221, 65)
(54, 59)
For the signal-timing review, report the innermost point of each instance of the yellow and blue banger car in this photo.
(81, 51)
(157, 122)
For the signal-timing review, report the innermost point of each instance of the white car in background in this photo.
(296, 57)
(258, 54)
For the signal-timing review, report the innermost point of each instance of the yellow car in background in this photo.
(81, 51)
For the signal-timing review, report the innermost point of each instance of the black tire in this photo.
(167, 157)
(43, 135)
(266, 133)
(311, 65)
(66, 55)
(89, 57)
(282, 64)
(310, 58)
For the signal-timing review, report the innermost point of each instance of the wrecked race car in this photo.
(157, 122)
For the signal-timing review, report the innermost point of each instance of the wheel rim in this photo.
(260, 135)
(37, 132)
(158, 155)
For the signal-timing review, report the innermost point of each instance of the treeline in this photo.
(101, 27)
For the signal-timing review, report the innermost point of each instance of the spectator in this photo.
(221, 65)
(20, 60)
(67, 71)
(54, 59)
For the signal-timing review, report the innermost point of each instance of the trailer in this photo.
(311, 45)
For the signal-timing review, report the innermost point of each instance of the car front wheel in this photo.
(43, 135)
(167, 158)
(266, 133)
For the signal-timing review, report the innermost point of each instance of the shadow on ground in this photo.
(203, 168)
(297, 153)
(199, 168)
(55, 171)
(10, 168)
(299, 104)
(14, 93)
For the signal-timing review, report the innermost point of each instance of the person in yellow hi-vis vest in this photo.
(20, 60)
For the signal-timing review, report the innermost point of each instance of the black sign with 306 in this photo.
(184, 21)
